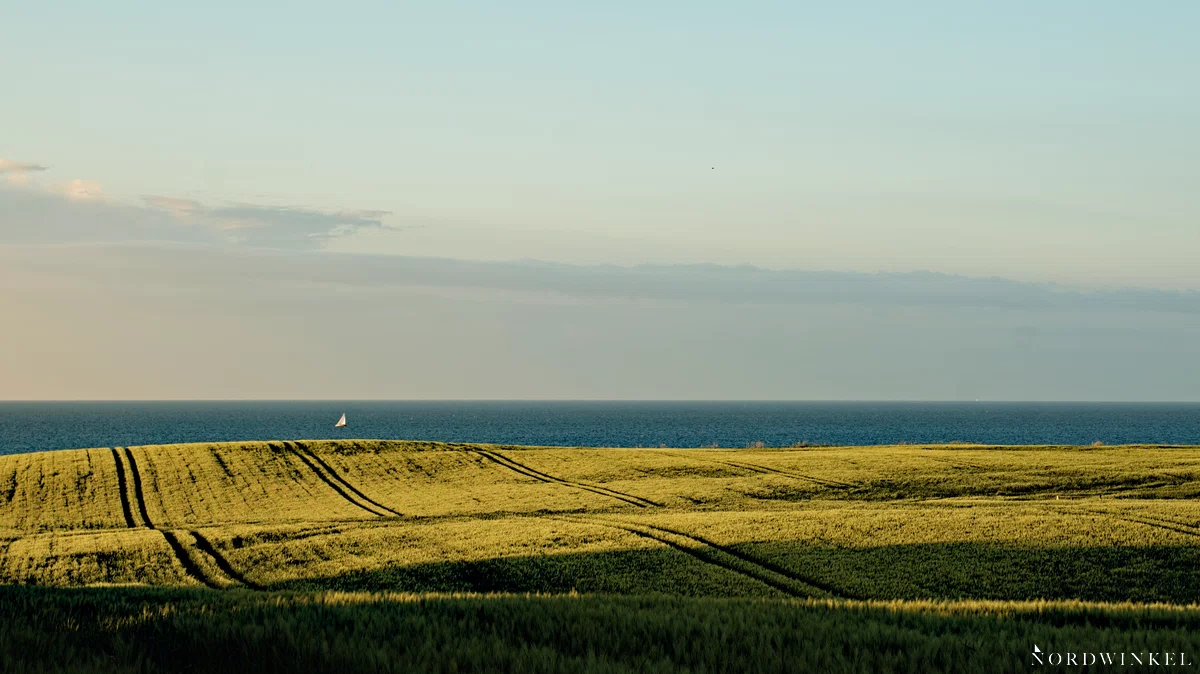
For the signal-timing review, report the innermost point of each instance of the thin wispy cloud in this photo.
(80, 190)
(17, 173)
(271, 225)
(175, 205)
(10, 166)
(80, 211)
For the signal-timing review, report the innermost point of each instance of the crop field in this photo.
(723, 559)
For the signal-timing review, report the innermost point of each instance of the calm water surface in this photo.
(35, 426)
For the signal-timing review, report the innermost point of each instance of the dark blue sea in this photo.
(37, 426)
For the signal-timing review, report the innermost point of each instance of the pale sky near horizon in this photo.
(1038, 142)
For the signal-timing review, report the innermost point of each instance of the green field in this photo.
(386, 556)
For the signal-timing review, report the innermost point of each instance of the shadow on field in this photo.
(932, 571)
(200, 630)
(1165, 573)
(627, 572)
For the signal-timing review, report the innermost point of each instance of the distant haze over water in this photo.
(36, 426)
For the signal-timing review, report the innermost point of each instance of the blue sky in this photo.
(1038, 142)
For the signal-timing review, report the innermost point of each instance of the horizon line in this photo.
(596, 400)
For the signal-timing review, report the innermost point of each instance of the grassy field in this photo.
(556, 559)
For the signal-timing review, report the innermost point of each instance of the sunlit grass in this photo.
(555, 559)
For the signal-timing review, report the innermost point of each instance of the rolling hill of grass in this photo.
(323, 542)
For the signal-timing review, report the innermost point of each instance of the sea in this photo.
(41, 426)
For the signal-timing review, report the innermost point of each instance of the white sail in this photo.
(341, 422)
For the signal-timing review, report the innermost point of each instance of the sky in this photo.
(752, 200)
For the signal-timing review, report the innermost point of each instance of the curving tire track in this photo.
(1145, 520)
(189, 564)
(716, 555)
(123, 488)
(957, 464)
(4, 547)
(763, 470)
(138, 495)
(203, 545)
(301, 448)
(1163, 519)
(750, 559)
(1159, 525)
(538, 475)
(181, 552)
(332, 483)
(766, 470)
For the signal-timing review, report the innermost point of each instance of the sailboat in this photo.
(341, 422)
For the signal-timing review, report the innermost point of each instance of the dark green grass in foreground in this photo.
(153, 630)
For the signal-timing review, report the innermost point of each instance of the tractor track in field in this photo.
(496, 457)
(1150, 522)
(1167, 521)
(4, 547)
(181, 551)
(1146, 520)
(223, 564)
(123, 489)
(189, 565)
(768, 573)
(301, 448)
(959, 465)
(765, 470)
(768, 470)
(138, 494)
(333, 482)
(187, 556)
(750, 559)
